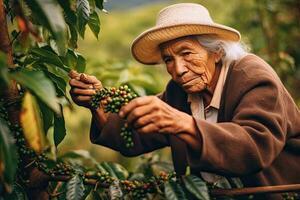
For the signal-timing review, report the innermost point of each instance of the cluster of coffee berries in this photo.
(140, 189)
(53, 169)
(104, 177)
(111, 100)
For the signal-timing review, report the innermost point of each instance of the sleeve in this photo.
(253, 138)
(110, 137)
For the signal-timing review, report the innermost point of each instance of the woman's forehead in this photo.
(179, 43)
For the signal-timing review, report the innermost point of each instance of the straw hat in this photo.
(176, 21)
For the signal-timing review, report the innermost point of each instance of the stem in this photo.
(5, 45)
(255, 190)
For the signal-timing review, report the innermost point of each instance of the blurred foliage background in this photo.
(271, 28)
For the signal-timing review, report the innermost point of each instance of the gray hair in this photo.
(231, 50)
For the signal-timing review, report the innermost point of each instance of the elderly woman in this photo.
(225, 113)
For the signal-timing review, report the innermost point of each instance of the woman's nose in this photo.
(180, 67)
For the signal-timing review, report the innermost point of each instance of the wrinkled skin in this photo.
(189, 64)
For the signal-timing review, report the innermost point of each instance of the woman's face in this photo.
(189, 64)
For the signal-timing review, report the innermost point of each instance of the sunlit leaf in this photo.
(83, 14)
(8, 154)
(49, 14)
(59, 129)
(173, 191)
(94, 23)
(42, 87)
(30, 119)
(75, 188)
(47, 55)
(196, 186)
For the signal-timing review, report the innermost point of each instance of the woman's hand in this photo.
(83, 87)
(149, 114)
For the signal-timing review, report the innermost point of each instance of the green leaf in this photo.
(8, 154)
(47, 55)
(75, 188)
(47, 116)
(81, 63)
(41, 86)
(58, 72)
(60, 84)
(71, 59)
(99, 4)
(49, 14)
(74, 36)
(74, 60)
(83, 15)
(59, 129)
(173, 191)
(196, 186)
(30, 120)
(69, 14)
(94, 23)
(114, 169)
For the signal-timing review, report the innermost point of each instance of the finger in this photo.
(143, 121)
(150, 128)
(80, 84)
(82, 99)
(74, 74)
(89, 79)
(138, 112)
(83, 92)
(137, 102)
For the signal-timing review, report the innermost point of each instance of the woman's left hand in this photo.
(149, 114)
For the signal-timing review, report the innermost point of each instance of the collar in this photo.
(216, 98)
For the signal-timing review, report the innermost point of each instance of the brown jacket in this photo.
(257, 137)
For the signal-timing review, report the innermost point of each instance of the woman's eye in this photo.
(167, 60)
(186, 53)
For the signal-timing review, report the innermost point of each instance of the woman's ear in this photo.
(218, 55)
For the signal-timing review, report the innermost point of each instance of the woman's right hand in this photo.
(83, 87)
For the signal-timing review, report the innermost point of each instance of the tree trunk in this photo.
(10, 94)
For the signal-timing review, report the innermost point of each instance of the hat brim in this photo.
(145, 48)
